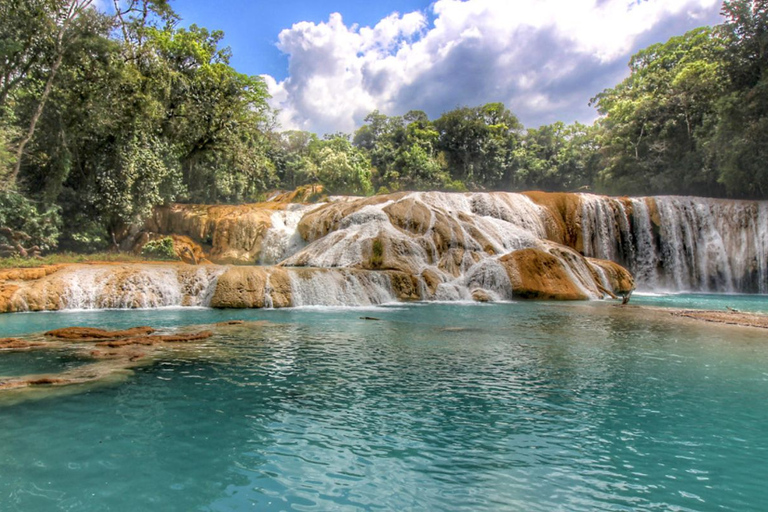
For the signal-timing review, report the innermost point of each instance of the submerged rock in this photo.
(155, 340)
(94, 333)
(108, 360)
(17, 344)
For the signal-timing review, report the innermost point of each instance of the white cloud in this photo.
(543, 58)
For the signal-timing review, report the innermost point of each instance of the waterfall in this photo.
(136, 286)
(439, 246)
(691, 244)
(339, 287)
(282, 239)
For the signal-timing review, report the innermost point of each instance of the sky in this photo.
(328, 63)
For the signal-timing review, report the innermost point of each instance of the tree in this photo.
(24, 230)
(210, 108)
(478, 143)
(740, 144)
(658, 121)
(556, 157)
(140, 177)
(290, 153)
(340, 167)
(59, 22)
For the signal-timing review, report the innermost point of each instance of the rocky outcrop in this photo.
(252, 287)
(537, 274)
(304, 194)
(347, 251)
(237, 234)
(616, 279)
(229, 234)
(563, 222)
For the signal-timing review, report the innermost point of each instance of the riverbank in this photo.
(727, 318)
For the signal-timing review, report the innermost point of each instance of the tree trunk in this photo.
(35, 118)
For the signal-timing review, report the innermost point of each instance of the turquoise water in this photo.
(521, 406)
(740, 302)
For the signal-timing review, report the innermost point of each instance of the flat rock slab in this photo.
(92, 333)
(725, 317)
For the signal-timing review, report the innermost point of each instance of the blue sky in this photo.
(252, 28)
(328, 63)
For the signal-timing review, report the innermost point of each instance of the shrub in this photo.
(159, 249)
(377, 254)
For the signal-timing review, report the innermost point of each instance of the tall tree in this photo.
(478, 143)
(658, 121)
(60, 20)
(741, 142)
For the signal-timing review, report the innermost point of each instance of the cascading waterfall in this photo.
(488, 276)
(440, 246)
(691, 244)
(474, 230)
(339, 287)
(282, 239)
(142, 286)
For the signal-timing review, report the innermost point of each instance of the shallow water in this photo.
(519, 406)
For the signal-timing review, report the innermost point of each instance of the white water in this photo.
(130, 287)
(460, 244)
(340, 287)
(700, 244)
(282, 239)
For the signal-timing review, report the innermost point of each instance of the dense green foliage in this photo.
(25, 229)
(103, 117)
(692, 117)
(161, 249)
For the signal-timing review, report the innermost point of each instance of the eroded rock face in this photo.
(228, 234)
(11, 280)
(618, 279)
(537, 274)
(252, 287)
(232, 234)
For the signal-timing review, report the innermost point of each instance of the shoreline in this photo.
(726, 318)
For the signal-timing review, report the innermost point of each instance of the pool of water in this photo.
(519, 406)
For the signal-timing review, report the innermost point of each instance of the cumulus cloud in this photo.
(544, 59)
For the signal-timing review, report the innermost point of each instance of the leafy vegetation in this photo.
(161, 249)
(103, 117)
(70, 257)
